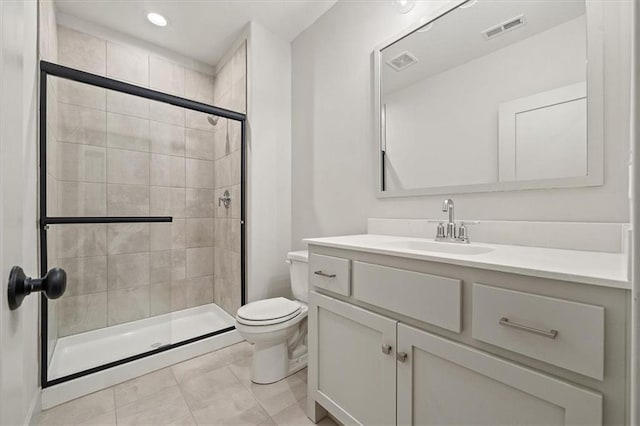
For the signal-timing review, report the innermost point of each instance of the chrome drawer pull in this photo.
(551, 334)
(402, 356)
(322, 274)
(386, 349)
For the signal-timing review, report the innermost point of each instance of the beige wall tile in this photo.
(166, 75)
(128, 304)
(178, 295)
(127, 200)
(178, 264)
(222, 171)
(199, 291)
(221, 141)
(160, 298)
(167, 113)
(81, 125)
(200, 262)
(82, 240)
(160, 236)
(82, 162)
(128, 270)
(127, 167)
(223, 82)
(198, 86)
(200, 144)
(200, 233)
(235, 136)
(200, 173)
(77, 314)
(227, 295)
(159, 268)
(235, 167)
(128, 238)
(127, 63)
(227, 265)
(239, 95)
(167, 170)
(167, 139)
(227, 232)
(81, 51)
(85, 275)
(200, 202)
(123, 103)
(82, 199)
(198, 120)
(80, 94)
(178, 234)
(167, 201)
(239, 63)
(127, 132)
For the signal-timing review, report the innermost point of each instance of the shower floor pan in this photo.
(91, 349)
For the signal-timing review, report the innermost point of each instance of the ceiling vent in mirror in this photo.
(508, 25)
(402, 61)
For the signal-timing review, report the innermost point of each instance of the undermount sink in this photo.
(441, 247)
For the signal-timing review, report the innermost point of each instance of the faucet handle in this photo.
(440, 232)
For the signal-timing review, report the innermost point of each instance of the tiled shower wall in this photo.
(119, 155)
(229, 92)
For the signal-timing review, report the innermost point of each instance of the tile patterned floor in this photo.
(213, 389)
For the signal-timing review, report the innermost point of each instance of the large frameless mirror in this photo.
(492, 95)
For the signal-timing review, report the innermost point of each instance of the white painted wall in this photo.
(269, 163)
(334, 151)
(19, 352)
(455, 113)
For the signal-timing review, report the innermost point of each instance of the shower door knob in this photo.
(53, 284)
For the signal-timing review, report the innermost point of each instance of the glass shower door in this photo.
(143, 209)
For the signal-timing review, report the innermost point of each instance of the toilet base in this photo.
(271, 363)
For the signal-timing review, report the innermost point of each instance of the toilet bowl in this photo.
(277, 327)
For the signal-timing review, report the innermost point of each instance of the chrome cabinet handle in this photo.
(323, 274)
(386, 349)
(402, 356)
(551, 334)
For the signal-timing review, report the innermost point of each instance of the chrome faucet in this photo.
(450, 233)
(447, 206)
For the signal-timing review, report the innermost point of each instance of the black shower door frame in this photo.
(50, 69)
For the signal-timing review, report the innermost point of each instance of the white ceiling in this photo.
(199, 29)
(456, 37)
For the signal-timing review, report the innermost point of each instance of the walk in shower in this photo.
(142, 203)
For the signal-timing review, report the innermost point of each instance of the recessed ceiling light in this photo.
(157, 19)
(403, 6)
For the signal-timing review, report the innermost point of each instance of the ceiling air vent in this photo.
(402, 61)
(509, 25)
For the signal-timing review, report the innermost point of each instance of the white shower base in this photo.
(83, 351)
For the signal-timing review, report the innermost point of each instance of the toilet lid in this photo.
(269, 309)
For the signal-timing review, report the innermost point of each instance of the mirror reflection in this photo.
(491, 92)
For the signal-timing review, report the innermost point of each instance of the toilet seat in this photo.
(268, 312)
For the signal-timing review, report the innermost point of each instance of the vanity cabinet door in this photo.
(441, 382)
(352, 362)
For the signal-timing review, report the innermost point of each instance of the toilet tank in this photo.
(298, 271)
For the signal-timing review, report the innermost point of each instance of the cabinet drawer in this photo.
(330, 273)
(429, 298)
(560, 332)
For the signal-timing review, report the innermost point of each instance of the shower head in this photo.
(213, 119)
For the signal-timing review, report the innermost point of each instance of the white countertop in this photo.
(588, 267)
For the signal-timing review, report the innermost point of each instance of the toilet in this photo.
(277, 327)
